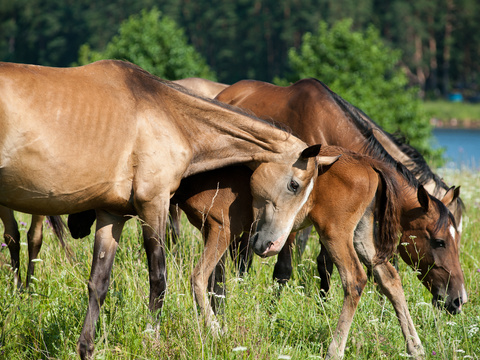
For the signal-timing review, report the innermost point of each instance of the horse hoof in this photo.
(85, 350)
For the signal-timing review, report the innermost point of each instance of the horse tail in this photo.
(59, 227)
(388, 216)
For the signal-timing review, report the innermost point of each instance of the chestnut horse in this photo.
(318, 115)
(111, 137)
(348, 198)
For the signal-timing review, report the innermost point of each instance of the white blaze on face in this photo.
(464, 294)
(460, 225)
(452, 231)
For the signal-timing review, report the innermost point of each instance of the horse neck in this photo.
(408, 201)
(228, 137)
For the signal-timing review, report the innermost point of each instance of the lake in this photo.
(462, 146)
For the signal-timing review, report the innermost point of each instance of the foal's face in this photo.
(279, 191)
(433, 251)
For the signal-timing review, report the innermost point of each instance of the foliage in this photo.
(45, 321)
(155, 43)
(447, 110)
(362, 69)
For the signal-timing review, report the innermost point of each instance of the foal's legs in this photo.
(35, 237)
(325, 269)
(12, 239)
(108, 231)
(216, 244)
(390, 284)
(282, 272)
(339, 242)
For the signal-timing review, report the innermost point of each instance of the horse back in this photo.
(78, 133)
(307, 107)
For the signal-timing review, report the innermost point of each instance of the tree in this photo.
(363, 70)
(155, 43)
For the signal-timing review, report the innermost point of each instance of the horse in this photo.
(111, 137)
(318, 115)
(220, 209)
(203, 87)
(34, 240)
(349, 196)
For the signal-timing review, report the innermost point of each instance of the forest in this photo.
(439, 40)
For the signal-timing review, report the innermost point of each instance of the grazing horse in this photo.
(110, 136)
(34, 239)
(318, 115)
(349, 196)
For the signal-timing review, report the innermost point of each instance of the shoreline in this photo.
(455, 124)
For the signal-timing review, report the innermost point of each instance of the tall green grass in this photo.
(45, 321)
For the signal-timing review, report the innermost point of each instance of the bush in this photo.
(155, 43)
(364, 71)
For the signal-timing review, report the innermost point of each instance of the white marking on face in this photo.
(280, 242)
(452, 231)
(464, 294)
(460, 223)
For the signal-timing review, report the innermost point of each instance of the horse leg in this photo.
(175, 215)
(302, 239)
(390, 284)
(325, 269)
(389, 281)
(12, 239)
(282, 272)
(34, 236)
(241, 253)
(217, 287)
(215, 246)
(154, 213)
(108, 230)
(354, 279)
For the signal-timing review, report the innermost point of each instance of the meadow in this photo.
(45, 321)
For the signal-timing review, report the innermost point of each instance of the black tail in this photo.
(59, 228)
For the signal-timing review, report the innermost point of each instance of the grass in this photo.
(445, 111)
(45, 322)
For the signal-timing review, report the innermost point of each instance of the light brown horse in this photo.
(348, 198)
(111, 137)
(203, 87)
(34, 239)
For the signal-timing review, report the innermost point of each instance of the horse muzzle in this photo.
(267, 248)
(451, 305)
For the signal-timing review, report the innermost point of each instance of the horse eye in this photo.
(293, 186)
(439, 243)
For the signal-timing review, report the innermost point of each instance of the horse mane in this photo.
(189, 92)
(372, 146)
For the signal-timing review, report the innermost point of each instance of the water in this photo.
(462, 147)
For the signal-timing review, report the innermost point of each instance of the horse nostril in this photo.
(457, 302)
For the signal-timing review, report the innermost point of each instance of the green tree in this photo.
(155, 43)
(363, 70)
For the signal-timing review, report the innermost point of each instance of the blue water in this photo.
(462, 147)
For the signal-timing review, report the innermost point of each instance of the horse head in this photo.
(430, 245)
(279, 191)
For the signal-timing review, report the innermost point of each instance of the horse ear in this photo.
(457, 192)
(422, 196)
(311, 151)
(450, 195)
(327, 160)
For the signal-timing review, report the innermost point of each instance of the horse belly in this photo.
(63, 173)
